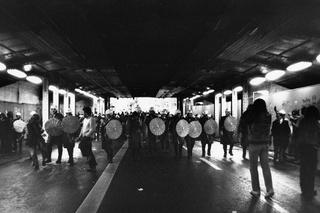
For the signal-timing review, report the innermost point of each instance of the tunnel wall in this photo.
(20, 97)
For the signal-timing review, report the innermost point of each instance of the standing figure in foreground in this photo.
(105, 140)
(225, 135)
(259, 123)
(189, 140)
(134, 130)
(243, 131)
(86, 136)
(309, 141)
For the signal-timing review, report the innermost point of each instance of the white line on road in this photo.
(93, 200)
(210, 164)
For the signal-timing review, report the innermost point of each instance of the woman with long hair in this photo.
(309, 141)
(259, 122)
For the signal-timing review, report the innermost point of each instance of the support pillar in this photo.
(55, 102)
(245, 98)
(234, 102)
(223, 105)
(65, 103)
(45, 100)
(217, 107)
(72, 103)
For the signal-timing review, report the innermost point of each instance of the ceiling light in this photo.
(208, 92)
(274, 75)
(34, 79)
(27, 67)
(318, 58)
(238, 89)
(227, 92)
(218, 95)
(3, 67)
(299, 66)
(195, 97)
(62, 91)
(52, 88)
(257, 81)
(264, 70)
(16, 73)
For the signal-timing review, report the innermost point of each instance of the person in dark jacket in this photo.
(259, 122)
(34, 138)
(4, 128)
(225, 135)
(309, 143)
(151, 137)
(105, 140)
(176, 139)
(243, 131)
(204, 137)
(135, 132)
(189, 140)
(280, 133)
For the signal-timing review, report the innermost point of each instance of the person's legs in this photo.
(59, 145)
(175, 146)
(244, 151)
(225, 147)
(203, 146)
(209, 149)
(230, 149)
(91, 158)
(180, 145)
(254, 151)
(49, 151)
(266, 169)
(70, 153)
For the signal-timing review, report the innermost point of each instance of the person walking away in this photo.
(69, 141)
(105, 140)
(225, 135)
(189, 140)
(243, 131)
(34, 138)
(176, 139)
(134, 130)
(86, 136)
(280, 133)
(259, 123)
(309, 143)
(204, 136)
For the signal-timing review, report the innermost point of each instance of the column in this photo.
(217, 107)
(65, 102)
(72, 103)
(55, 102)
(245, 98)
(45, 100)
(234, 103)
(223, 105)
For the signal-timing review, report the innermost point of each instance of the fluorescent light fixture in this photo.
(227, 92)
(16, 73)
(257, 81)
(195, 97)
(274, 75)
(208, 92)
(85, 93)
(199, 103)
(52, 88)
(238, 89)
(263, 92)
(299, 66)
(218, 95)
(318, 58)
(27, 67)
(62, 91)
(3, 67)
(34, 79)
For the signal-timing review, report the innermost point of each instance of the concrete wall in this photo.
(20, 97)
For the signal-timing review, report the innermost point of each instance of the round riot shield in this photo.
(210, 127)
(157, 126)
(114, 129)
(19, 125)
(230, 124)
(182, 128)
(53, 127)
(70, 124)
(195, 129)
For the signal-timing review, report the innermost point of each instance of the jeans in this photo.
(255, 152)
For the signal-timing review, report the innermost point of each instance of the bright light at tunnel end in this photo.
(257, 81)
(16, 73)
(299, 66)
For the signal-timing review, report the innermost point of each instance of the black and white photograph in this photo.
(159, 106)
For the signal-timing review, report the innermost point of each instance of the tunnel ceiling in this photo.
(157, 47)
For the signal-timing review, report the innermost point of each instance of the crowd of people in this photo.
(256, 132)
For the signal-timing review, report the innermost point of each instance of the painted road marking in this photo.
(210, 164)
(93, 200)
(206, 161)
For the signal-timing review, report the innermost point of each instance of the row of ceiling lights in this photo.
(276, 74)
(20, 74)
(209, 91)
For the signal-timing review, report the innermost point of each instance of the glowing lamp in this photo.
(299, 66)
(16, 73)
(274, 75)
(257, 81)
(3, 67)
(34, 79)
